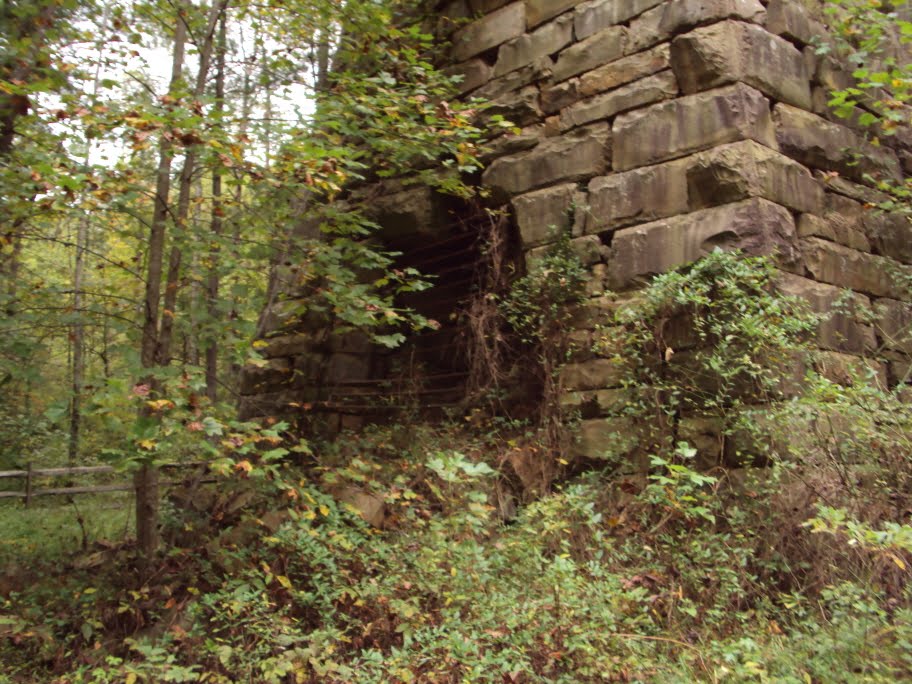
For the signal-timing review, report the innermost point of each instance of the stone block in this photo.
(646, 30)
(636, 196)
(271, 376)
(891, 235)
(692, 123)
(755, 226)
(846, 369)
(474, 73)
(596, 403)
(511, 143)
(415, 210)
(840, 330)
(592, 17)
(542, 215)
(822, 144)
(844, 267)
(680, 15)
(538, 11)
(606, 438)
(736, 171)
(544, 41)
(601, 48)
(854, 191)
(490, 31)
(520, 108)
(624, 70)
(894, 324)
(564, 94)
(834, 227)
(656, 88)
(592, 375)
(792, 20)
(734, 51)
(539, 70)
(486, 6)
(289, 345)
(582, 153)
(588, 249)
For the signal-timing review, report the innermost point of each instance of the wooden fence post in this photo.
(28, 484)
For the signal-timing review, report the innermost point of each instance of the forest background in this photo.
(166, 170)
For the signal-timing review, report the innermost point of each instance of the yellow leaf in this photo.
(130, 678)
(899, 561)
(147, 444)
(284, 581)
(259, 344)
(324, 510)
(453, 572)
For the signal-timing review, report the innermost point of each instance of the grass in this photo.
(50, 529)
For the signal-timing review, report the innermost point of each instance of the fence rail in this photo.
(30, 474)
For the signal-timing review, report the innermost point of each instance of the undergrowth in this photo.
(691, 569)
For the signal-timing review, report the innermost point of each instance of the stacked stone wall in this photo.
(654, 131)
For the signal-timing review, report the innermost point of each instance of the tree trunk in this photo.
(183, 202)
(145, 479)
(215, 227)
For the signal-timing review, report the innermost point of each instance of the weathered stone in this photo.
(369, 506)
(844, 267)
(490, 31)
(624, 70)
(515, 80)
(734, 51)
(692, 123)
(819, 143)
(736, 171)
(486, 6)
(538, 11)
(512, 143)
(347, 368)
(521, 109)
(651, 89)
(705, 434)
(552, 127)
(557, 97)
(542, 215)
(288, 345)
(474, 73)
(412, 211)
(592, 375)
(544, 41)
(272, 375)
(597, 283)
(646, 30)
(854, 191)
(840, 329)
(681, 15)
(596, 15)
(891, 235)
(588, 249)
(792, 20)
(644, 194)
(596, 50)
(834, 227)
(596, 403)
(755, 226)
(579, 154)
(846, 369)
(610, 438)
(894, 324)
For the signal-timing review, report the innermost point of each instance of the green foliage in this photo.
(538, 304)
(711, 339)
(872, 38)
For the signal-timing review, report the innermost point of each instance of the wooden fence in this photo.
(30, 474)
